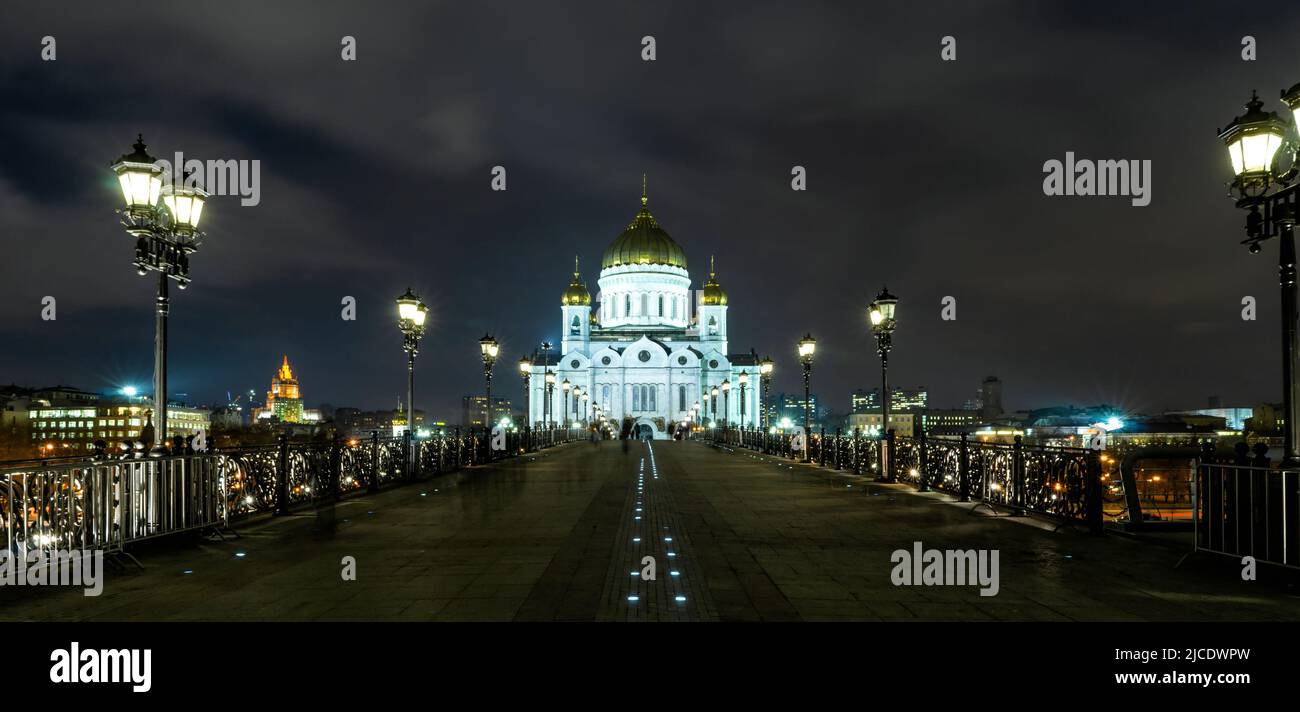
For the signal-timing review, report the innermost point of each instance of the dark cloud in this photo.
(925, 175)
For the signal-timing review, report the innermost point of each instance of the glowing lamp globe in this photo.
(408, 305)
(807, 347)
(140, 178)
(1252, 140)
(185, 206)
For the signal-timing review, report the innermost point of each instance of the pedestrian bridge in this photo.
(564, 533)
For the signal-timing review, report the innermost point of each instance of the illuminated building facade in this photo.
(902, 399)
(648, 348)
(472, 408)
(58, 430)
(868, 424)
(284, 400)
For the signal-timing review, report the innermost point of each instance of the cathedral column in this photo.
(669, 416)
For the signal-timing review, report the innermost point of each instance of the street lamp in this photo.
(488, 349)
(167, 233)
(550, 389)
(577, 400)
(881, 315)
(1253, 141)
(744, 383)
(765, 368)
(526, 373)
(411, 314)
(726, 403)
(714, 407)
(807, 348)
(565, 386)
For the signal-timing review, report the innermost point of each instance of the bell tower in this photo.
(713, 312)
(575, 308)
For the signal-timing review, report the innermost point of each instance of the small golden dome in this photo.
(713, 295)
(576, 294)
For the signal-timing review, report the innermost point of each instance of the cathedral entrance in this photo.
(644, 429)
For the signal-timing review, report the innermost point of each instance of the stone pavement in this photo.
(734, 536)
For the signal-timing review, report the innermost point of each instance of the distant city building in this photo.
(472, 409)
(868, 424)
(231, 416)
(1266, 418)
(791, 406)
(991, 397)
(951, 421)
(1234, 418)
(67, 430)
(358, 423)
(869, 401)
(284, 401)
(1170, 429)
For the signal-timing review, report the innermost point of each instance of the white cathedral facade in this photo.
(649, 348)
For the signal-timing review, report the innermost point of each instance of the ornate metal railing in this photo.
(1059, 482)
(106, 503)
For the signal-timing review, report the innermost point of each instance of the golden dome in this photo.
(643, 243)
(576, 294)
(713, 294)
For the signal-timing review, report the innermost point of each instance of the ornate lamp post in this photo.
(565, 386)
(550, 389)
(488, 349)
(713, 408)
(881, 313)
(744, 383)
(526, 373)
(726, 403)
(577, 403)
(1269, 197)
(765, 368)
(411, 313)
(166, 234)
(807, 348)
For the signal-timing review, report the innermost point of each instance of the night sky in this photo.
(922, 174)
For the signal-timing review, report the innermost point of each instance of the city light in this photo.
(1111, 423)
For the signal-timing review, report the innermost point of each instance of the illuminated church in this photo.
(648, 348)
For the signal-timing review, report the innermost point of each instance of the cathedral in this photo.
(649, 348)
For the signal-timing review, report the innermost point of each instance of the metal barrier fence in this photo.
(107, 503)
(1059, 482)
(1247, 510)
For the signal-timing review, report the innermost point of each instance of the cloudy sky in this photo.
(375, 175)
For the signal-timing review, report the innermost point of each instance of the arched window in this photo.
(627, 305)
(654, 391)
(645, 304)
(604, 396)
(681, 398)
(661, 305)
(713, 326)
(575, 328)
(674, 307)
(636, 398)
